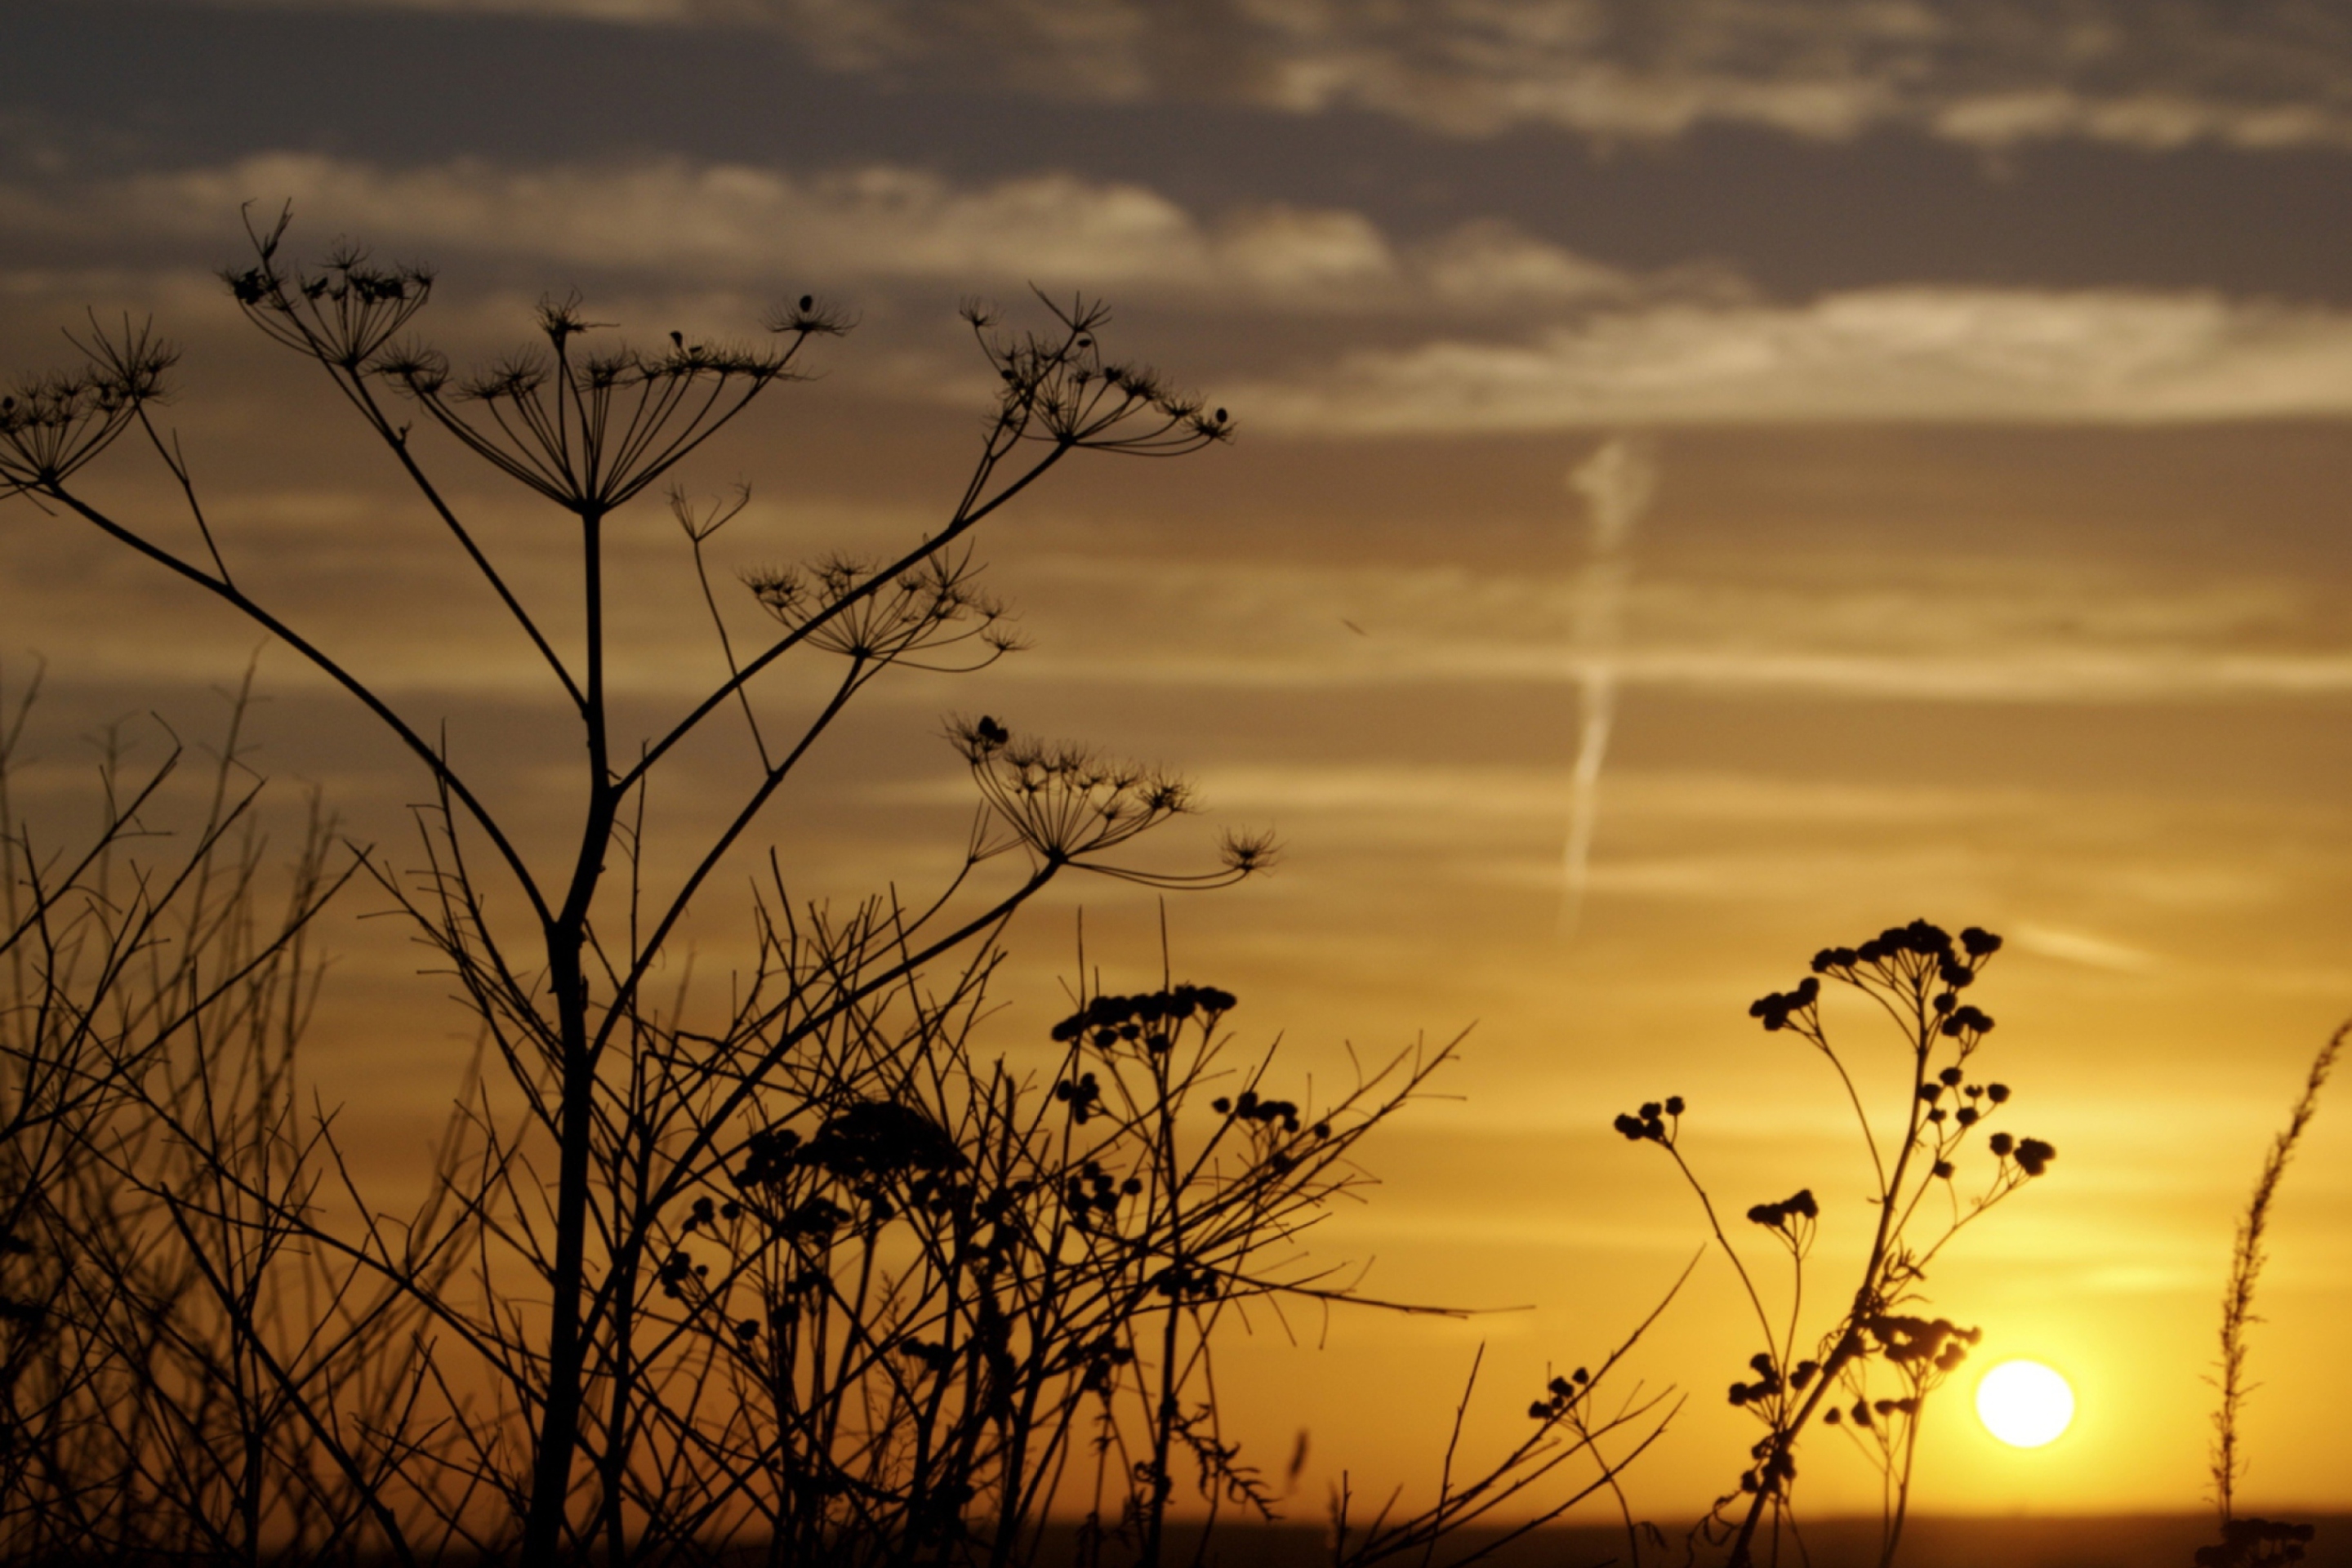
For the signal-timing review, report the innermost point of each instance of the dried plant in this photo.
(1870, 1373)
(803, 1270)
(1574, 1421)
(2245, 1542)
(930, 1298)
(182, 1377)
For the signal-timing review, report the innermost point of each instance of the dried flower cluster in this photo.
(565, 1254)
(932, 1299)
(1915, 974)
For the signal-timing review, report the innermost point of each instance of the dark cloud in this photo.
(113, 87)
(1989, 73)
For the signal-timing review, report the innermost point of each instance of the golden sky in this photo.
(1989, 373)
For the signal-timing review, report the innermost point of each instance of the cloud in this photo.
(2083, 948)
(1973, 354)
(1669, 802)
(2030, 632)
(2035, 633)
(2018, 675)
(732, 222)
(2253, 74)
(1516, 334)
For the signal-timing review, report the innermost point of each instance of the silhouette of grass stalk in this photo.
(2252, 1540)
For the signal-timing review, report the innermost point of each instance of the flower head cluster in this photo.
(1788, 1212)
(1651, 1123)
(1864, 1410)
(771, 1155)
(1898, 946)
(1923, 965)
(1778, 1008)
(1768, 1381)
(1092, 1191)
(1268, 1112)
(2031, 1154)
(345, 314)
(679, 1273)
(52, 426)
(1063, 803)
(811, 1219)
(1148, 1020)
(1559, 1395)
(1971, 1103)
(1083, 1095)
(848, 609)
(1775, 1466)
(1001, 1209)
(705, 1212)
(587, 429)
(1056, 386)
(1921, 1342)
(873, 1148)
(881, 1138)
(1963, 1023)
(1180, 1282)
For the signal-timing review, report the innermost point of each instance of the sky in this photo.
(1713, 480)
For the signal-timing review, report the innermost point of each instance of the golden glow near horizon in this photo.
(2026, 1404)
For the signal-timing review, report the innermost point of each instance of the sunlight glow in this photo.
(2024, 1403)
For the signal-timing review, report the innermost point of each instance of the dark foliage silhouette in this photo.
(1870, 1373)
(801, 1272)
(813, 1272)
(182, 1377)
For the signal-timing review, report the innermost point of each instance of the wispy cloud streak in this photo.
(1870, 356)
(1617, 483)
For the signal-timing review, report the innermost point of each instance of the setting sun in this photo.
(2024, 1403)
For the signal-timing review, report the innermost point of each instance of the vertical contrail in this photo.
(1617, 482)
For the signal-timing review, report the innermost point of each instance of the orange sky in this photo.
(1999, 580)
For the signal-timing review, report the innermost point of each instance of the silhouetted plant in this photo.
(805, 1272)
(2252, 1540)
(926, 1288)
(1572, 1417)
(802, 1269)
(1871, 1372)
(174, 1385)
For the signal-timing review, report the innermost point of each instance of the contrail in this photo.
(1617, 482)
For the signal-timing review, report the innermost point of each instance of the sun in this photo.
(2024, 1403)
